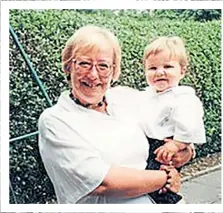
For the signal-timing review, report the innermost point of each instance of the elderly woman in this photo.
(92, 152)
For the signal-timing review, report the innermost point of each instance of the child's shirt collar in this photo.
(177, 90)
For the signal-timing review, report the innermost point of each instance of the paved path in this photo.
(203, 189)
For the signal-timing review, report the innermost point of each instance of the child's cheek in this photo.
(149, 78)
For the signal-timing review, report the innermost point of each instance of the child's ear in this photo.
(183, 71)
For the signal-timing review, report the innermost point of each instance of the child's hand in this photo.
(183, 157)
(165, 153)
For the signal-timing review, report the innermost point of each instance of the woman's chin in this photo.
(92, 98)
(90, 95)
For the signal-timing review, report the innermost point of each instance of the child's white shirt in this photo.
(176, 112)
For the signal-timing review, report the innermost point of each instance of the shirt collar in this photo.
(177, 90)
(68, 104)
(155, 93)
(65, 102)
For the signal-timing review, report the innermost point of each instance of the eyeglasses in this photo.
(86, 65)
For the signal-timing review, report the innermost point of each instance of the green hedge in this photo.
(196, 15)
(43, 34)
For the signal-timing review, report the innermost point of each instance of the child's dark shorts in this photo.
(165, 198)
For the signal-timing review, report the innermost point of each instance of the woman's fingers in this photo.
(166, 167)
(164, 190)
(173, 181)
(169, 180)
(172, 189)
(163, 167)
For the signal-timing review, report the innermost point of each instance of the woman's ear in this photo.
(68, 77)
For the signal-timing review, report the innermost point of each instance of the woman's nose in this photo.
(93, 72)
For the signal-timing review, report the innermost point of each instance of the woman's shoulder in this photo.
(122, 93)
(61, 111)
(123, 89)
(47, 116)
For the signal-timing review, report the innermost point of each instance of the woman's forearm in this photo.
(126, 182)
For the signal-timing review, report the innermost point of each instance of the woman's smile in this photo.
(90, 85)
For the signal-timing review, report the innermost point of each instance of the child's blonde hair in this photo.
(171, 45)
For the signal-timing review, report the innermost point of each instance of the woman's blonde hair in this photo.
(173, 46)
(82, 40)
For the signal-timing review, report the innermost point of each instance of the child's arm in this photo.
(169, 149)
(188, 119)
(189, 125)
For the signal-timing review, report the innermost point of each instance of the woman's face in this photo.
(92, 73)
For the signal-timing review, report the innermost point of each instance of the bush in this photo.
(43, 34)
(196, 15)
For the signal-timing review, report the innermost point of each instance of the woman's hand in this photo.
(173, 179)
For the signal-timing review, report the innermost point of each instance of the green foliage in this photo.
(28, 177)
(196, 15)
(43, 34)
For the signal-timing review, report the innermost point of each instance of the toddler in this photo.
(170, 111)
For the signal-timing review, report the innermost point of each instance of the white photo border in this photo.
(87, 4)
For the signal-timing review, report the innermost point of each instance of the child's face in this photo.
(163, 72)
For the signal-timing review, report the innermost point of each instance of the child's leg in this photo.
(164, 198)
(153, 145)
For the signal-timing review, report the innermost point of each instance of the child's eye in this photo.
(152, 68)
(168, 66)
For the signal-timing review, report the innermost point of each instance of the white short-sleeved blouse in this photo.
(79, 145)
